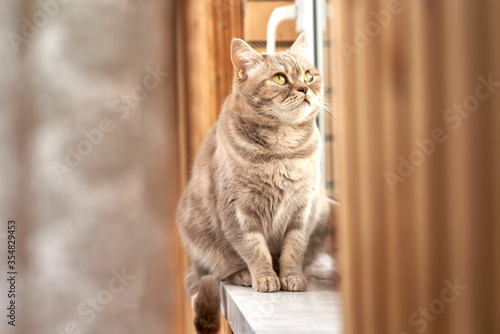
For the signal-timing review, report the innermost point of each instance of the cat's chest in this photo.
(286, 173)
(281, 182)
(278, 191)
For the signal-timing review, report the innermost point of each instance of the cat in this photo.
(254, 212)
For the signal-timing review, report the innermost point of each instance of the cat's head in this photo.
(282, 86)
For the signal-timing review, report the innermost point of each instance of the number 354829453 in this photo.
(11, 244)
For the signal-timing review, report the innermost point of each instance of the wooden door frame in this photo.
(204, 79)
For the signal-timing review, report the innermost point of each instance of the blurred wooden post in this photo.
(204, 78)
(419, 112)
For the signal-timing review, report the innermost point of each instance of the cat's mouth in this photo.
(306, 100)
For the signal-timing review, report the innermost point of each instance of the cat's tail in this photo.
(206, 305)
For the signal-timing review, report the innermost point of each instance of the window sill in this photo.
(317, 310)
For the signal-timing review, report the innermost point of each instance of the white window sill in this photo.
(317, 310)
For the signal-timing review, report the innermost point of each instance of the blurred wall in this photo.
(87, 164)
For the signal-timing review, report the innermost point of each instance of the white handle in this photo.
(278, 15)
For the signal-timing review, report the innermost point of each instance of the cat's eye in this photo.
(308, 77)
(280, 79)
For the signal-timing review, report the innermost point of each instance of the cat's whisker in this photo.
(329, 117)
(324, 107)
(329, 114)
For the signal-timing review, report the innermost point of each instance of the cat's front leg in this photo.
(251, 245)
(291, 260)
(253, 249)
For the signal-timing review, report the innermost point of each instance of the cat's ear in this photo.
(243, 57)
(299, 46)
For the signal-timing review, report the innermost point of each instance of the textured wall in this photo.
(86, 122)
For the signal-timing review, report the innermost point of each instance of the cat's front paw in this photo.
(266, 283)
(294, 282)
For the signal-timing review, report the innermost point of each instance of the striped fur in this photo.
(254, 212)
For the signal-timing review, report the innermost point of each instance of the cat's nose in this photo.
(303, 89)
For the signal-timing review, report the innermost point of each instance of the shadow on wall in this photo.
(83, 164)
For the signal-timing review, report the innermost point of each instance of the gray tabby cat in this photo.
(254, 212)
